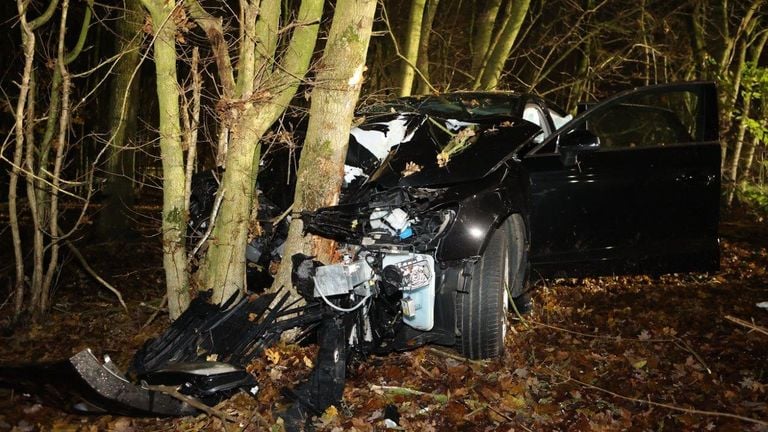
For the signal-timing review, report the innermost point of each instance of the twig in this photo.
(280, 217)
(405, 391)
(662, 405)
(95, 275)
(400, 55)
(514, 307)
(492, 408)
(194, 403)
(260, 419)
(211, 221)
(676, 340)
(686, 347)
(594, 336)
(750, 325)
(455, 356)
(156, 312)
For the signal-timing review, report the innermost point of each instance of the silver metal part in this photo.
(409, 307)
(337, 279)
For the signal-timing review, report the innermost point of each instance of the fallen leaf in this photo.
(330, 413)
(411, 168)
(273, 355)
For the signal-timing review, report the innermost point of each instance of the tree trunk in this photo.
(736, 156)
(481, 41)
(113, 222)
(583, 65)
(411, 46)
(333, 103)
(272, 87)
(755, 142)
(174, 223)
(747, 94)
(28, 44)
(696, 30)
(423, 85)
(488, 78)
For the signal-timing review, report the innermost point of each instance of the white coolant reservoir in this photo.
(417, 274)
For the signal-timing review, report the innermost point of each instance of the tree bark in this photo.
(174, 223)
(696, 30)
(423, 85)
(491, 72)
(264, 89)
(28, 44)
(481, 41)
(747, 95)
(333, 103)
(411, 46)
(113, 222)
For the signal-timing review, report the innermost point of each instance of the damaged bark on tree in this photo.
(321, 167)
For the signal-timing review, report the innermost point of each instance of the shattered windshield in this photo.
(457, 105)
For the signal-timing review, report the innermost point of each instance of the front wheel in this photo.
(482, 310)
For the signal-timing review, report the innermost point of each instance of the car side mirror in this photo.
(574, 143)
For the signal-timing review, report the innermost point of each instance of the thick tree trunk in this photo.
(489, 77)
(225, 261)
(174, 222)
(113, 222)
(411, 46)
(277, 84)
(338, 86)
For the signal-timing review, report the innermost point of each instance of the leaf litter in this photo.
(613, 353)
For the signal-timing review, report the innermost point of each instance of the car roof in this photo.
(458, 105)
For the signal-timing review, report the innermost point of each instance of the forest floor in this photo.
(614, 353)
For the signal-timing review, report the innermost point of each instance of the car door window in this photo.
(646, 120)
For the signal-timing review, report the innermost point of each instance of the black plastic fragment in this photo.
(235, 332)
(325, 385)
(210, 382)
(83, 384)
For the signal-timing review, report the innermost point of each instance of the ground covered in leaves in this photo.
(617, 353)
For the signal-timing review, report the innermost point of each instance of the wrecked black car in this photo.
(450, 204)
(484, 189)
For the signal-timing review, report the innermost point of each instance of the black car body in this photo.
(490, 188)
(451, 202)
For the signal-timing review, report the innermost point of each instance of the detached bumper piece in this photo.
(83, 384)
(234, 333)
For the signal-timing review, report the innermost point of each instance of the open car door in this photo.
(631, 185)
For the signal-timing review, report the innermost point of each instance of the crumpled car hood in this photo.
(415, 163)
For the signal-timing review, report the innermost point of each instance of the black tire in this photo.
(482, 310)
